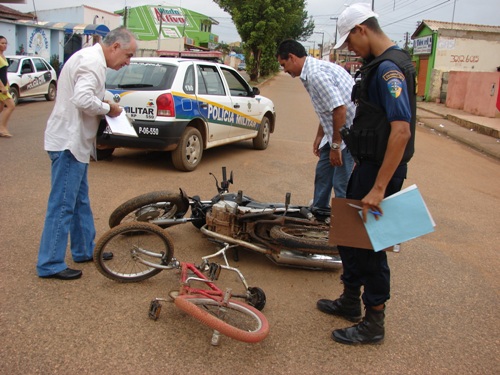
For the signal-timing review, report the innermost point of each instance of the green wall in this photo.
(144, 22)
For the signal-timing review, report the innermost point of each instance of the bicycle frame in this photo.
(222, 300)
(214, 292)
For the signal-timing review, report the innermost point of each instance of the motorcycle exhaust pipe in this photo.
(234, 241)
(287, 258)
(292, 258)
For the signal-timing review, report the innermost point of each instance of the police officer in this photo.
(381, 140)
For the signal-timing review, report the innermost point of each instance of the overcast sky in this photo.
(395, 16)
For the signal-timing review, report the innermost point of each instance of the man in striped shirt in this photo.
(329, 86)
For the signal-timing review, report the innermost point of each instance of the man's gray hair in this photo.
(120, 35)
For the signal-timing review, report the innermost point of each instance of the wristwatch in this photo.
(335, 146)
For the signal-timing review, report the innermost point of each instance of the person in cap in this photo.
(329, 87)
(381, 141)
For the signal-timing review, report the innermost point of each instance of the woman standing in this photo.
(5, 98)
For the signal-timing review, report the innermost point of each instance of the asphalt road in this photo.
(442, 317)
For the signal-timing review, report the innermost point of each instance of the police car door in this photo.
(244, 101)
(42, 76)
(29, 83)
(214, 102)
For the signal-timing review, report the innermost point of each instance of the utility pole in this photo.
(314, 46)
(407, 41)
(335, 38)
(322, 41)
(160, 10)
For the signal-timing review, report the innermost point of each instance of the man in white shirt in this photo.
(69, 139)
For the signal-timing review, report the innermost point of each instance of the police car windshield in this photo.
(141, 75)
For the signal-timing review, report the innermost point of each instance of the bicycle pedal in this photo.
(154, 309)
(214, 271)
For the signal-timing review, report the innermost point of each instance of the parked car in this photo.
(242, 66)
(185, 106)
(31, 76)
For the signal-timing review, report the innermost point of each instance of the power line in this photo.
(414, 14)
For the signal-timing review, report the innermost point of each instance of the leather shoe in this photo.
(67, 274)
(105, 256)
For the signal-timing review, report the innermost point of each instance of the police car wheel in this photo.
(262, 140)
(104, 153)
(14, 92)
(188, 153)
(51, 94)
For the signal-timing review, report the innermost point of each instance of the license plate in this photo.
(147, 130)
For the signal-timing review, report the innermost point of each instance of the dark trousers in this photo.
(363, 267)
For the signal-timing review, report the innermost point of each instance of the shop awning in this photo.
(78, 28)
(86, 29)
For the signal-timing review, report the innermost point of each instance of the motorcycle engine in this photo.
(222, 218)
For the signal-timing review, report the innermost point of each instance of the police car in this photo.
(185, 106)
(31, 76)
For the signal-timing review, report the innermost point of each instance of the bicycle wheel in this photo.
(240, 321)
(308, 237)
(129, 242)
(147, 207)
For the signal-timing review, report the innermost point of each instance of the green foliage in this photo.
(262, 24)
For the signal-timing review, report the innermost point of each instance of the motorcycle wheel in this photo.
(148, 207)
(302, 236)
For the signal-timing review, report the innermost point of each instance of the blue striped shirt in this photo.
(329, 85)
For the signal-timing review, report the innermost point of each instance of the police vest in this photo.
(367, 138)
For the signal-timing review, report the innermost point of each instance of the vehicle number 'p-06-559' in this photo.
(148, 131)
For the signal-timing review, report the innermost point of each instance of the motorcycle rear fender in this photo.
(185, 201)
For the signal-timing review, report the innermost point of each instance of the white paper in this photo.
(121, 125)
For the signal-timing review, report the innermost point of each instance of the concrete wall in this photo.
(81, 14)
(474, 92)
(467, 54)
(34, 40)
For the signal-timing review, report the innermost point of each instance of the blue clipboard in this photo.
(405, 217)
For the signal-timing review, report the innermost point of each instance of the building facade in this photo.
(169, 29)
(55, 34)
(442, 47)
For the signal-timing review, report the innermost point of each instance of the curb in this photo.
(485, 144)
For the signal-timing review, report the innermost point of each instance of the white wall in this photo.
(81, 14)
(467, 54)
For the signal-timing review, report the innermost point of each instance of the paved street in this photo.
(442, 317)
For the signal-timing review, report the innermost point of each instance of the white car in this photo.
(31, 76)
(185, 106)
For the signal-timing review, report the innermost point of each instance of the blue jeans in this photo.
(328, 177)
(68, 212)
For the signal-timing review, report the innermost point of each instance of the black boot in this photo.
(369, 331)
(347, 306)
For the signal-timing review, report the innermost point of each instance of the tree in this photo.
(262, 24)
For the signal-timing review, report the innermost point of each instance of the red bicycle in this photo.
(142, 248)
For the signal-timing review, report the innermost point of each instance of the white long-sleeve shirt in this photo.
(75, 118)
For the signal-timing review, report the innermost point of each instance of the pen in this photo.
(376, 213)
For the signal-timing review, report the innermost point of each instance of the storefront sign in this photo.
(422, 46)
(171, 16)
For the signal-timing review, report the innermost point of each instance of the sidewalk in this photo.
(480, 133)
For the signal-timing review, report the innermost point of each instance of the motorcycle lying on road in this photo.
(289, 235)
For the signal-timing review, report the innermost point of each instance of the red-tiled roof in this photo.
(7, 13)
